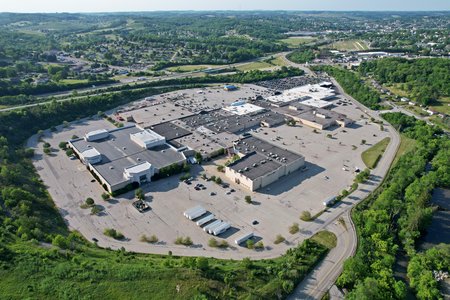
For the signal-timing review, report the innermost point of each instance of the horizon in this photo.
(139, 6)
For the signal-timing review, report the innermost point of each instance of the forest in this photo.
(425, 80)
(393, 218)
(353, 85)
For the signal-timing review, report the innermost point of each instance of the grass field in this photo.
(189, 68)
(257, 65)
(278, 61)
(406, 145)
(92, 273)
(442, 105)
(350, 45)
(325, 238)
(372, 155)
(294, 42)
(73, 81)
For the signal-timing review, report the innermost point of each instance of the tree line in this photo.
(426, 80)
(393, 218)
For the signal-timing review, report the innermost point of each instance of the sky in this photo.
(155, 5)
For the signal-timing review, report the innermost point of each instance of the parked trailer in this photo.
(189, 215)
(190, 210)
(221, 229)
(213, 224)
(330, 201)
(205, 220)
(197, 214)
(243, 238)
(212, 228)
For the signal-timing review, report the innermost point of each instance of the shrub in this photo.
(69, 152)
(183, 241)
(250, 244)
(213, 243)
(95, 210)
(218, 180)
(139, 193)
(279, 239)
(259, 245)
(89, 201)
(294, 228)
(185, 176)
(224, 244)
(62, 145)
(106, 196)
(305, 216)
(47, 145)
(248, 199)
(47, 151)
(220, 168)
(345, 193)
(152, 239)
(111, 232)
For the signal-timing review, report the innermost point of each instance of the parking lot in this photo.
(330, 163)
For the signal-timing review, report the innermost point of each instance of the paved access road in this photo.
(321, 279)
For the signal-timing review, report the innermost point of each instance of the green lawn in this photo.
(350, 45)
(372, 155)
(278, 61)
(442, 105)
(406, 144)
(73, 81)
(294, 42)
(325, 238)
(257, 65)
(190, 68)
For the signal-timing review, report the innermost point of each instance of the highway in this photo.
(134, 85)
(322, 278)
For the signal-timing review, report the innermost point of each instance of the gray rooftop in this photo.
(169, 130)
(119, 152)
(266, 149)
(254, 165)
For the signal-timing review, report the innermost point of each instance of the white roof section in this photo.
(96, 135)
(316, 103)
(243, 109)
(147, 137)
(138, 168)
(302, 93)
(90, 153)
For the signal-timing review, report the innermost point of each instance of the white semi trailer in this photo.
(190, 210)
(195, 214)
(243, 238)
(330, 201)
(205, 220)
(213, 224)
(212, 228)
(221, 229)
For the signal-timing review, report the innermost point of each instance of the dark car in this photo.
(255, 222)
(95, 240)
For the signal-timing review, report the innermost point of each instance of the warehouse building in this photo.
(125, 155)
(261, 163)
(317, 118)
